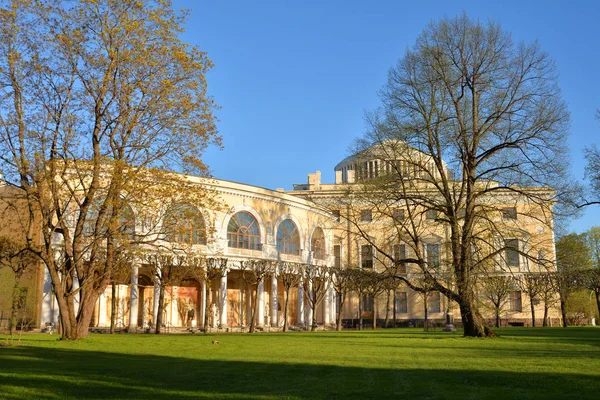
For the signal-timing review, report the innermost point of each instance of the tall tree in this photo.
(100, 98)
(467, 117)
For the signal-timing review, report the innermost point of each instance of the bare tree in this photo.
(316, 281)
(99, 100)
(214, 268)
(254, 273)
(361, 280)
(289, 274)
(496, 288)
(467, 116)
(341, 280)
(532, 283)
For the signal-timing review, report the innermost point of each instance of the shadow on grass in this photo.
(31, 372)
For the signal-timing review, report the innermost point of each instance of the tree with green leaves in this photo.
(102, 99)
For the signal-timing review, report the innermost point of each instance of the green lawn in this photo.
(400, 363)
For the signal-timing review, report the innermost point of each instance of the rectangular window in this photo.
(433, 302)
(401, 302)
(515, 303)
(509, 213)
(337, 253)
(366, 216)
(366, 256)
(336, 215)
(367, 303)
(398, 214)
(400, 254)
(431, 214)
(512, 252)
(432, 251)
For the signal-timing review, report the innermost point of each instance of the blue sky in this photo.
(294, 78)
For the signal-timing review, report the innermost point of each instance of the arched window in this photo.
(184, 224)
(288, 239)
(94, 226)
(243, 231)
(317, 244)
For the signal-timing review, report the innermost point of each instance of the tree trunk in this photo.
(285, 309)
(374, 313)
(546, 307)
(426, 310)
(254, 310)
(563, 311)
(206, 306)
(532, 313)
(395, 311)
(340, 302)
(113, 306)
(597, 291)
(387, 310)
(497, 316)
(14, 307)
(161, 304)
(313, 323)
(360, 316)
(473, 322)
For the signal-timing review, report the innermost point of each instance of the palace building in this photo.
(314, 224)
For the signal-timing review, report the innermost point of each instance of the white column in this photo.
(77, 294)
(274, 313)
(102, 309)
(133, 299)
(203, 302)
(300, 303)
(309, 309)
(332, 305)
(155, 303)
(121, 292)
(260, 293)
(326, 306)
(47, 315)
(223, 300)
(174, 313)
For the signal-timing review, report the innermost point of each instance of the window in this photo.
(366, 255)
(367, 303)
(317, 244)
(401, 302)
(366, 216)
(433, 302)
(288, 239)
(400, 254)
(514, 303)
(125, 220)
(398, 214)
(431, 214)
(432, 252)
(337, 253)
(243, 232)
(512, 252)
(337, 215)
(184, 224)
(509, 213)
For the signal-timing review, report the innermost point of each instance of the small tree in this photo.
(254, 273)
(376, 284)
(573, 256)
(532, 283)
(496, 289)
(214, 268)
(289, 274)
(361, 280)
(316, 281)
(18, 258)
(341, 280)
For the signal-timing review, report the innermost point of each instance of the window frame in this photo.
(250, 235)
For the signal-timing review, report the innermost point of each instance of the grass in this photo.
(397, 363)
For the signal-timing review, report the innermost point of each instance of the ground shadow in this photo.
(32, 372)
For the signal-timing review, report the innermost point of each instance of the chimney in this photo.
(338, 177)
(315, 180)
